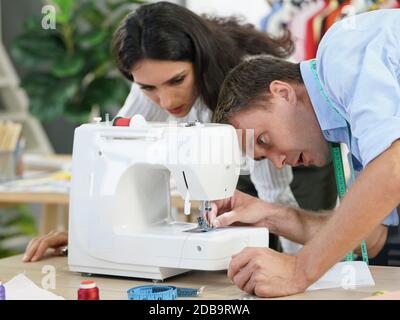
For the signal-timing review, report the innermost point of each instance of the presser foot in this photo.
(203, 224)
(204, 208)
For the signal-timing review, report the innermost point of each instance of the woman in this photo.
(177, 61)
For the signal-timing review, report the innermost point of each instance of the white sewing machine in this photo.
(120, 214)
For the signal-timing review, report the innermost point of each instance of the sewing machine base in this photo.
(167, 250)
(156, 274)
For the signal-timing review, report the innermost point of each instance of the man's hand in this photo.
(265, 273)
(240, 208)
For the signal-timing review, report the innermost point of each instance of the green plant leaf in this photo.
(92, 38)
(64, 5)
(68, 66)
(26, 223)
(64, 12)
(17, 225)
(33, 50)
(37, 83)
(114, 4)
(7, 252)
(76, 112)
(33, 24)
(48, 95)
(106, 93)
(89, 14)
(99, 60)
(77, 50)
(45, 109)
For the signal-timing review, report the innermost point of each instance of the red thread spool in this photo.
(88, 291)
(122, 122)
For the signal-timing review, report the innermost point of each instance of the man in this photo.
(350, 94)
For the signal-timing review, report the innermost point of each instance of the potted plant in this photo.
(70, 68)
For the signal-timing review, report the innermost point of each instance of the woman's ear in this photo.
(283, 90)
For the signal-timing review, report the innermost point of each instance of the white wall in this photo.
(252, 10)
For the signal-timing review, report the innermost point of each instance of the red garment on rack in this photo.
(310, 45)
(331, 19)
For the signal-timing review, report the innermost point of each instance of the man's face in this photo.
(285, 132)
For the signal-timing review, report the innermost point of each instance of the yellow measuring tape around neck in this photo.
(338, 161)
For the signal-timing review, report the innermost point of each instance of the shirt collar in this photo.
(327, 117)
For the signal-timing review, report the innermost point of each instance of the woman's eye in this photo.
(177, 81)
(147, 88)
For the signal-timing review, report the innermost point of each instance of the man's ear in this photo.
(284, 90)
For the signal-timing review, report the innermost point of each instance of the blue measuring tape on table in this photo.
(337, 160)
(155, 292)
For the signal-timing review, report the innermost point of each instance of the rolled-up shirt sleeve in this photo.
(374, 109)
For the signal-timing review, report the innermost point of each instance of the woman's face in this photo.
(169, 84)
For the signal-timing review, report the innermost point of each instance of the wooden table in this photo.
(217, 285)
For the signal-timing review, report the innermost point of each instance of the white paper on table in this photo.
(346, 275)
(22, 288)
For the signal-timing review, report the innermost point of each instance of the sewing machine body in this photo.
(120, 211)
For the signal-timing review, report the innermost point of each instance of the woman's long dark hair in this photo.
(165, 31)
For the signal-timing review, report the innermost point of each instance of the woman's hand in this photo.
(38, 246)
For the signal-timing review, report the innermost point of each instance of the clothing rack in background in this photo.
(309, 20)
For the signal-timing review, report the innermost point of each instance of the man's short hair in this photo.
(248, 83)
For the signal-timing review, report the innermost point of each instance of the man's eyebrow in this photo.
(182, 73)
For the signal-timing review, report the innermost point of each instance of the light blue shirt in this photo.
(358, 64)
